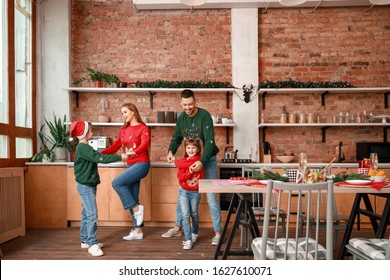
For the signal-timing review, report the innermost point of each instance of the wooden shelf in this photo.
(325, 126)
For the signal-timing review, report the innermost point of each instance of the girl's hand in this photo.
(124, 157)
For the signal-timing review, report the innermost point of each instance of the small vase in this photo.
(103, 118)
(60, 154)
(97, 83)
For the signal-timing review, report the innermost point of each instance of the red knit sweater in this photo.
(136, 137)
(188, 180)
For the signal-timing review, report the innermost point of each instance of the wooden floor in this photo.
(64, 244)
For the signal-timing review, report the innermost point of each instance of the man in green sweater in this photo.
(196, 123)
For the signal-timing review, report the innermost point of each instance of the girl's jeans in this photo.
(210, 172)
(189, 203)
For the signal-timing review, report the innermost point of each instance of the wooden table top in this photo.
(228, 186)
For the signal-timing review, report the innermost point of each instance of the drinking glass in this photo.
(374, 162)
(302, 164)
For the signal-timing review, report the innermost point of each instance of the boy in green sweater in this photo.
(87, 178)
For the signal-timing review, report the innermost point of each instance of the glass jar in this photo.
(302, 118)
(310, 118)
(292, 118)
(283, 118)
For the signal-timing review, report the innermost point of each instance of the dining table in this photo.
(242, 193)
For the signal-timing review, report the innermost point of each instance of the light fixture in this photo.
(380, 2)
(193, 3)
(291, 2)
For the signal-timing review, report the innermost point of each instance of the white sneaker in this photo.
(215, 240)
(95, 251)
(133, 235)
(194, 237)
(139, 215)
(172, 233)
(86, 246)
(187, 245)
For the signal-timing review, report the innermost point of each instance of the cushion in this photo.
(280, 249)
(375, 248)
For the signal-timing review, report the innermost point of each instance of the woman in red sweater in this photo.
(189, 196)
(134, 138)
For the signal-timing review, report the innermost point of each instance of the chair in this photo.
(258, 211)
(369, 249)
(294, 246)
(339, 222)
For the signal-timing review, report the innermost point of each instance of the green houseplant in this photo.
(45, 153)
(59, 137)
(98, 78)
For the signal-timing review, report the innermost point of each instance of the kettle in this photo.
(230, 154)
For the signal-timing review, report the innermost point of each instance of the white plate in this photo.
(358, 182)
(263, 182)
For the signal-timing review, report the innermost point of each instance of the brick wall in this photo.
(330, 44)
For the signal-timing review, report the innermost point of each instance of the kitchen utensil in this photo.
(328, 165)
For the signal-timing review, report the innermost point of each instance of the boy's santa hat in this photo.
(78, 129)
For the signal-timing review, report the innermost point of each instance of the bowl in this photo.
(378, 178)
(285, 159)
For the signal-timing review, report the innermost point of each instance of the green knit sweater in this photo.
(85, 164)
(200, 127)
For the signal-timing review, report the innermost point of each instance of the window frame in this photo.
(10, 129)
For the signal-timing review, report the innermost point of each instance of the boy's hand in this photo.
(124, 157)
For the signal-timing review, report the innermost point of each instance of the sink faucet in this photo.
(341, 156)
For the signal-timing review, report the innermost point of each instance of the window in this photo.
(17, 94)
(4, 66)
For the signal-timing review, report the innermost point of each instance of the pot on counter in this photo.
(230, 153)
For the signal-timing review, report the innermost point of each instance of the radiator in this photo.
(12, 216)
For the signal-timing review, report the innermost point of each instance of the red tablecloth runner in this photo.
(375, 185)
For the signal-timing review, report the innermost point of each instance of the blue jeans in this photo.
(89, 216)
(210, 172)
(127, 185)
(189, 202)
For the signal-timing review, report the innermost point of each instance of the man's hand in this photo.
(170, 157)
(196, 167)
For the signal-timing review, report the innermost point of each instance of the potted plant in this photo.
(59, 137)
(45, 153)
(98, 78)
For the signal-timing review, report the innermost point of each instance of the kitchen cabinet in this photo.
(323, 92)
(45, 189)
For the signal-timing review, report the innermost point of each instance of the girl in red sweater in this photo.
(189, 196)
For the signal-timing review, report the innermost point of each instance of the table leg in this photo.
(349, 226)
(225, 227)
(385, 219)
(369, 208)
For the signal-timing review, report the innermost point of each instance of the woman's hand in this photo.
(170, 157)
(196, 167)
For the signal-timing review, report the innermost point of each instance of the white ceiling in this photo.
(227, 4)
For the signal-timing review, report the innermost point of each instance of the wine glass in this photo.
(302, 164)
(374, 162)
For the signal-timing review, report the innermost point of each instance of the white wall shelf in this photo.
(325, 126)
(323, 91)
(151, 91)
